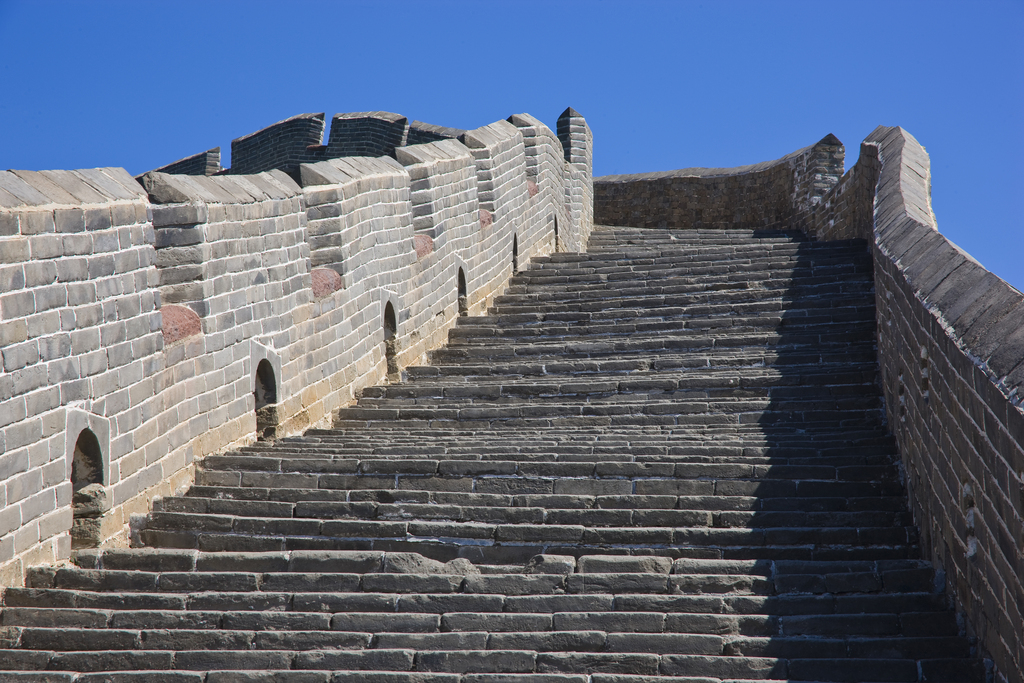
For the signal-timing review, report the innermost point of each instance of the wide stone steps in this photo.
(786, 362)
(720, 617)
(629, 325)
(662, 461)
(738, 371)
(622, 280)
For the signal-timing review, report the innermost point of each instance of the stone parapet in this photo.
(79, 342)
(772, 195)
(285, 294)
(951, 350)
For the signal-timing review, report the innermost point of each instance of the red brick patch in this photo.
(179, 322)
(325, 281)
(424, 245)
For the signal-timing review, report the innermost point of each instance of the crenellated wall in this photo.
(950, 347)
(147, 323)
(81, 348)
(204, 163)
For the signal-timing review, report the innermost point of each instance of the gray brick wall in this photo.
(951, 349)
(284, 145)
(421, 133)
(372, 134)
(772, 195)
(78, 328)
(91, 260)
(204, 163)
(578, 148)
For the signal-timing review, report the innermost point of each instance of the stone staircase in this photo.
(661, 460)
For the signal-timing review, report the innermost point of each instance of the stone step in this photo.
(587, 486)
(719, 363)
(509, 501)
(529, 515)
(589, 640)
(500, 661)
(851, 469)
(910, 624)
(726, 323)
(646, 612)
(557, 526)
(686, 577)
(662, 288)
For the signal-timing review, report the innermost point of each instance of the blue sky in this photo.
(663, 85)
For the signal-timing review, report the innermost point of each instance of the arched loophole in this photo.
(925, 385)
(515, 253)
(89, 499)
(87, 463)
(463, 294)
(970, 509)
(902, 393)
(558, 245)
(265, 394)
(391, 341)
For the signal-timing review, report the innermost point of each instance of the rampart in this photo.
(145, 323)
(950, 346)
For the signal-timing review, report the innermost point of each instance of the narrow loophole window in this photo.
(391, 341)
(463, 294)
(87, 462)
(265, 394)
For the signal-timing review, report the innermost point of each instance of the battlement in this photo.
(148, 322)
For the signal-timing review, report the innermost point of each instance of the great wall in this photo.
(424, 404)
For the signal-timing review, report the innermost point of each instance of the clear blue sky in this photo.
(664, 85)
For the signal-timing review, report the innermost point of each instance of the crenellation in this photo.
(100, 268)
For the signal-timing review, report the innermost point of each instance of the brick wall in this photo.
(141, 312)
(552, 182)
(421, 133)
(578, 148)
(79, 332)
(771, 195)
(204, 163)
(284, 145)
(951, 350)
(443, 186)
(373, 134)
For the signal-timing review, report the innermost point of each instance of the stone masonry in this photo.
(760, 424)
(140, 311)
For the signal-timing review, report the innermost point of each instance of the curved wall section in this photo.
(951, 350)
(773, 195)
